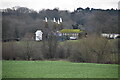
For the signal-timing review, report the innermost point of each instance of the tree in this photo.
(87, 9)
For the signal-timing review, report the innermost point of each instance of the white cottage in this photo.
(38, 36)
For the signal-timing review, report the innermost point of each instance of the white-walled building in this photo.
(114, 36)
(38, 35)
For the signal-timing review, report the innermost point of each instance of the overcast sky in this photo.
(61, 4)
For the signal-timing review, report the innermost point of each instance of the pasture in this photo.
(58, 69)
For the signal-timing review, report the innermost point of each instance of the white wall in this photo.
(38, 34)
(109, 35)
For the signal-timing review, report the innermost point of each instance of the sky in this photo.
(70, 5)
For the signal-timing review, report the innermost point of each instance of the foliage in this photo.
(91, 49)
(17, 22)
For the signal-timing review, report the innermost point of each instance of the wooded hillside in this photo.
(20, 22)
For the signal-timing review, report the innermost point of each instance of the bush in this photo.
(23, 50)
(91, 49)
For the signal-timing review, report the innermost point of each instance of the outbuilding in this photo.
(71, 34)
(38, 35)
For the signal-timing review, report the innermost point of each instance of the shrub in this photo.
(91, 49)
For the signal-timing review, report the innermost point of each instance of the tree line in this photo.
(22, 22)
(89, 50)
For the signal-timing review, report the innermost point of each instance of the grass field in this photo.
(58, 69)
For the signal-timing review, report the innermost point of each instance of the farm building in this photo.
(71, 33)
(64, 34)
(58, 31)
(38, 36)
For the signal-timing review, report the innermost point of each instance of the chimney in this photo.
(58, 22)
(61, 20)
(54, 20)
(46, 19)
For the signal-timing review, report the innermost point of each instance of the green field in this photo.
(58, 69)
